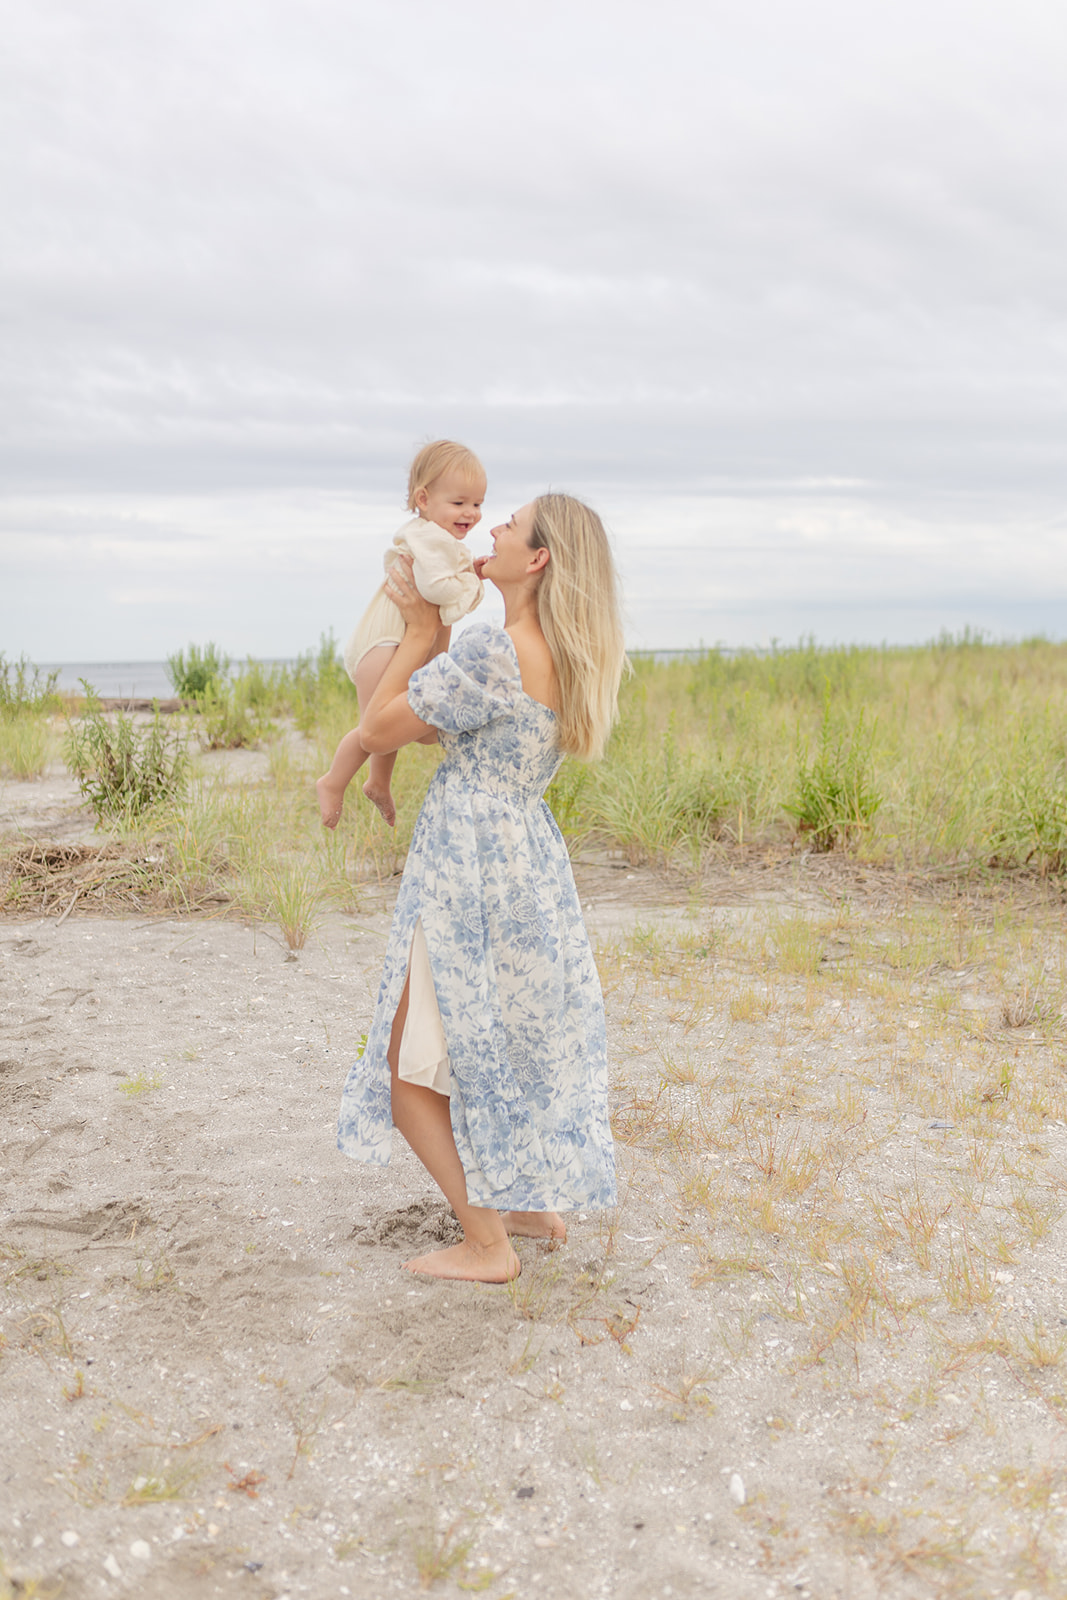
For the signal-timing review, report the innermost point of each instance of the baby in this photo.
(446, 487)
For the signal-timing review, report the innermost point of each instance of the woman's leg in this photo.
(377, 788)
(535, 1224)
(422, 1115)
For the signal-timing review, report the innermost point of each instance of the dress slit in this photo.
(423, 1047)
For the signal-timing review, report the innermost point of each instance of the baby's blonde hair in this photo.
(435, 459)
(578, 609)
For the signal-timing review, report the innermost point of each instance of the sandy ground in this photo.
(215, 1380)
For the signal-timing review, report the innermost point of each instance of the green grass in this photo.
(951, 757)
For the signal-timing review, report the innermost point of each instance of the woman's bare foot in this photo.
(381, 795)
(331, 801)
(493, 1263)
(535, 1224)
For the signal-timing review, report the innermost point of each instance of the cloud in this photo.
(662, 254)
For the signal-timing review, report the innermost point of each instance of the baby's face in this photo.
(453, 501)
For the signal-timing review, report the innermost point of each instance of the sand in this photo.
(215, 1379)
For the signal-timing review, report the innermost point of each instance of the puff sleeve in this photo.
(475, 682)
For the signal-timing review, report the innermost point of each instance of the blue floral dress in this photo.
(519, 998)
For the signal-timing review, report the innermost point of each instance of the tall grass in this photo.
(951, 753)
(28, 702)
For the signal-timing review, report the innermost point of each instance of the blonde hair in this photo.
(578, 609)
(435, 459)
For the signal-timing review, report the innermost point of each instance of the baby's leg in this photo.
(348, 758)
(369, 674)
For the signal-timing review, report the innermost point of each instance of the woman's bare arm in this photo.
(388, 721)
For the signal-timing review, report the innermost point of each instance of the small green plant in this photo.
(124, 768)
(194, 671)
(294, 894)
(834, 799)
(140, 1083)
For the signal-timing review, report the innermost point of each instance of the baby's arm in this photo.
(444, 572)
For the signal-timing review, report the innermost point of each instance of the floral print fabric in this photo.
(489, 877)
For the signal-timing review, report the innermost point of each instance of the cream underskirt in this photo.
(381, 623)
(423, 1049)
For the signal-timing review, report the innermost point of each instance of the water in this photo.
(129, 680)
(134, 680)
(148, 680)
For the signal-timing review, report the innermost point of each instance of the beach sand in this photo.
(215, 1379)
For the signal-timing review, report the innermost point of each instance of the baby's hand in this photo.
(479, 563)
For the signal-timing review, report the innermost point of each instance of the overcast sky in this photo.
(779, 288)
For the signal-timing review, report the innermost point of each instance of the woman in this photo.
(487, 1049)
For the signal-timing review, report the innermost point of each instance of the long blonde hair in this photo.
(578, 609)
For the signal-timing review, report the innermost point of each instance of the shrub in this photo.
(228, 719)
(834, 799)
(195, 671)
(1030, 820)
(124, 768)
(24, 689)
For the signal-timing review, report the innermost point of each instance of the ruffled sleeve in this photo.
(475, 682)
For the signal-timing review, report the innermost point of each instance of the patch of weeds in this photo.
(21, 1265)
(439, 1554)
(1031, 812)
(797, 945)
(1043, 1349)
(140, 1083)
(226, 719)
(24, 1588)
(165, 1483)
(152, 1276)
(47, 1330)
(291, 894)
(196, 670)
(834, 798)
(306, 1418)
(124, 768)
(688, 1395)
(26, 689)
(25, 744)
(531, 1291)
(407, 1384)
(749, 1004)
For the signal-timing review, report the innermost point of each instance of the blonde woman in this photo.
(487, 1049)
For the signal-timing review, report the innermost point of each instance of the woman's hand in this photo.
(420, 616)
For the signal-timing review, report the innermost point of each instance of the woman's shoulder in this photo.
(485, 647)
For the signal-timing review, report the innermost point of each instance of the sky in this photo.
(778, 289)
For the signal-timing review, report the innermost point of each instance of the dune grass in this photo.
(947, 755)
(952, 757)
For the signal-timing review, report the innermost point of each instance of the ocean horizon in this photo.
(149, 680)
(131, 680)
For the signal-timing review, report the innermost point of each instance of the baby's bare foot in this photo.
(331, 801)
(380, 795)
(495, 1263)
(535, 1224)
